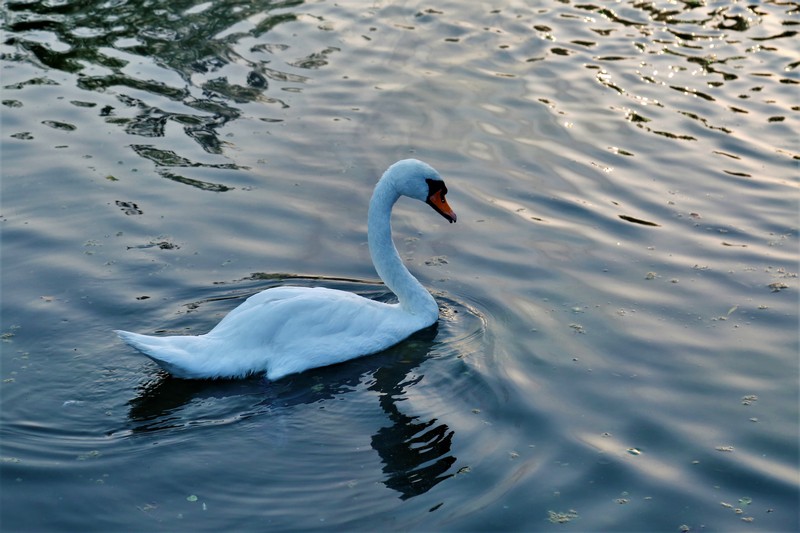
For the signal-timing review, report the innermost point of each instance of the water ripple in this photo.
(623, 273)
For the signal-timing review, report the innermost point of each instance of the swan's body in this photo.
(286, 330)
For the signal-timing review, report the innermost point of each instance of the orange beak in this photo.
(437, 201)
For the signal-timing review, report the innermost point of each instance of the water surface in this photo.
(618, 342)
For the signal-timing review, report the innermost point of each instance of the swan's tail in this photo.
(171, 353)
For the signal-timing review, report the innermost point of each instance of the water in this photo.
(618, 346)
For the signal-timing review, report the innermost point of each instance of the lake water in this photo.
(618, 341)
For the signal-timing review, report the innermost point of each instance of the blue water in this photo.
(618, 343)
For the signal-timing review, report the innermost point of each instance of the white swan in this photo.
(286, 330)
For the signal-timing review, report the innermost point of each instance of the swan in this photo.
(286, 330)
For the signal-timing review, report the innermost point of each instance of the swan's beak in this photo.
(436, 200)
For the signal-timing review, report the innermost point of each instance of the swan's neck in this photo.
(414, 298)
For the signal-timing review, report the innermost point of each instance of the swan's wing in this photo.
(265, 298)
(304, 328)
(276, 316)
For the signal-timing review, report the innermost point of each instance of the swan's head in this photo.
(420, 181)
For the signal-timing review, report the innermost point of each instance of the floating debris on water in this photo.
(743, 501)
(749, 399)
(724, 448)
(436, 260)
(89, 455)
(8, 335)
(191, 498)
(634, 451)
(562, 518)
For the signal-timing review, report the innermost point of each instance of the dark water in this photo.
(618, 343)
